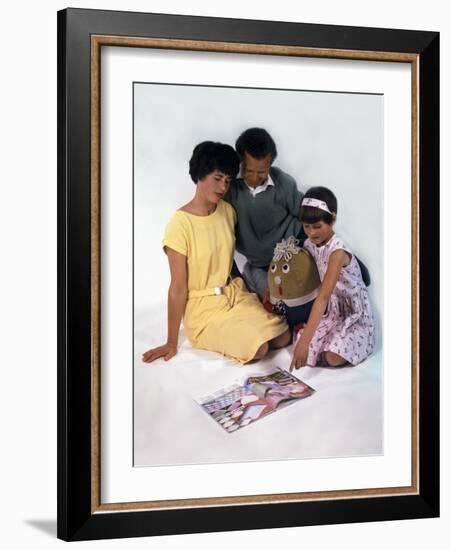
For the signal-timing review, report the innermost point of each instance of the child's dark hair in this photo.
(312, 214)
(209, 156)
(257, 143)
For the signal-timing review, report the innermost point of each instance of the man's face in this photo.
(254, 171)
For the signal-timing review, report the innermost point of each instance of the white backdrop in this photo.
(28, 277)
(329, 139)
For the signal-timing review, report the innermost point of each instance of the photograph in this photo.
(220, 176)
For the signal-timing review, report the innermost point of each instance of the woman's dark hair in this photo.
(257, 143)
(312, 214)
(209, 156)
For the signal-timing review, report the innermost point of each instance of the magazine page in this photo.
(241, 404)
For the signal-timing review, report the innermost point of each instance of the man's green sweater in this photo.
(267, 218)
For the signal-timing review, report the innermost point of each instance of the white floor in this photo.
(344, 417)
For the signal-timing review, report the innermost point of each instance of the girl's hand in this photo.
(300, 355)
(167, 351)
(338, 259)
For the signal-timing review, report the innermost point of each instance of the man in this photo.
(267, 203)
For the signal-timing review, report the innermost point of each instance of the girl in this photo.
(340, 328)
(218, 313)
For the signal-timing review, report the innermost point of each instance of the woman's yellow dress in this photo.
(234, 323)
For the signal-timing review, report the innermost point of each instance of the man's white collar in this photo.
(260, 188)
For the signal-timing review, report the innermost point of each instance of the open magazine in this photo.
(241, 404)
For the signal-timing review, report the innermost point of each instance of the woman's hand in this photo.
(176, 304)
(300, 355)
(167, 351)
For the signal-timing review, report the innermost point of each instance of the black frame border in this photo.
(75, 519)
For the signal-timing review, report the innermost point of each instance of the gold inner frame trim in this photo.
(97, 41)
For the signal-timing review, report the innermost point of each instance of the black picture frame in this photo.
(79, 516)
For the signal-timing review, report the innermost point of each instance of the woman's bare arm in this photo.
(177, 297)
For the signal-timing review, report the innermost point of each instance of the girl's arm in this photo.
(177, 296)
(338, 259)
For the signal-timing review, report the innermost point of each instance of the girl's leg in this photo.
(333, 359)
(280, 341)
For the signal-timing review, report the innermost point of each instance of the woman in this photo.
(219, 314)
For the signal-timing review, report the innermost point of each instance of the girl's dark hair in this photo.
(209, 156)
(311, 214)
(257, 143)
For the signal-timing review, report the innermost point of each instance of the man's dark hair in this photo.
(257, 143)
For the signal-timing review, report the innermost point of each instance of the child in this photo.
(340, 328)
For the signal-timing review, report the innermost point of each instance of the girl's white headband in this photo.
(316, 203)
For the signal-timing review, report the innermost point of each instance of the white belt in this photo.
(214, 291)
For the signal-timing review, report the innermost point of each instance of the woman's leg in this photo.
(281, 341)
(334, 360)
(278, 342)
(261, 352)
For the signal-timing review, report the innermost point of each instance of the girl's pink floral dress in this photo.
(347, 326)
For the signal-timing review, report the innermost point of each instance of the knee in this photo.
(281, 341)
(334, 360)
(261, 352)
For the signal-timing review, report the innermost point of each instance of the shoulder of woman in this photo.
(227, 207)
(233, 216)
(177, 220)
(176, 216)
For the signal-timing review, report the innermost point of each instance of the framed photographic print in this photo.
(188, 144)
